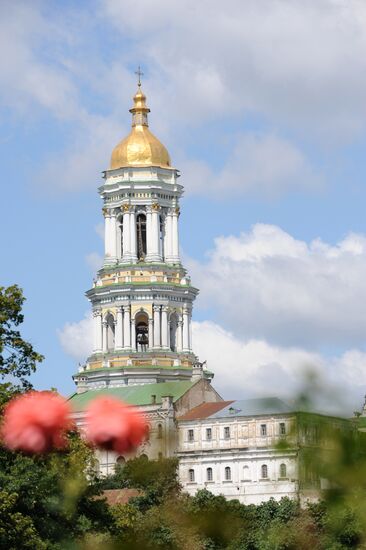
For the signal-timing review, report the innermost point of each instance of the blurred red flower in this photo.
(114, 426)
(36, 422)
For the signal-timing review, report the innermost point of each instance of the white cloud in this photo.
(265, 284)
(77, 338)
(245, 368)
(265, 164)
(94, 261)
(296, 62)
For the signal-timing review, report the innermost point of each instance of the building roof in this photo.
(253, 407)
(134, 395)
(120, 496)
(204, 410)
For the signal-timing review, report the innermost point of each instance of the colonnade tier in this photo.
(163, 331)
(162, 234)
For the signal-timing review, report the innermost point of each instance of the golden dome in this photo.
(140, 147)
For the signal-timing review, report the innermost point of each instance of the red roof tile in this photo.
(120, 496)
(204, 410)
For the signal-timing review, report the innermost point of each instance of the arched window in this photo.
(264, 471)
(110, 331)
(144, 456)
(173, 325)
(209, 474)
(120, 462)
(283, 470)
(141, 236)
(227, 473)
(191, 475)
(160, 431)
(246, 473)
(142, 331)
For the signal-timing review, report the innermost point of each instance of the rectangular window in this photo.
(263, 429)
(208, 434)
(282, 428)
(227, 432)
(191, 476)
(190, 435)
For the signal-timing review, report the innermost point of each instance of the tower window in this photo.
(141, 236)
(173, 325)
(110, 332)
(160, 431)
(142, 332)
(227, 473)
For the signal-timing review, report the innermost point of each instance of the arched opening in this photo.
(120, 237)
(120, 462)
(264, 471)
(191, 475)
(173, 328)
(144, 456)
(227, 473)
(110, 332)
(209, 474)
(141, 236)
(142, 331)
(283, 472)
(160, 431)
(161, 236)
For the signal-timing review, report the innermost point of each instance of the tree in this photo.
(18, 359)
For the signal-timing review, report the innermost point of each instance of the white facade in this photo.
(233, 457)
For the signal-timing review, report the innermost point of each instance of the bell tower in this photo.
(142, 297)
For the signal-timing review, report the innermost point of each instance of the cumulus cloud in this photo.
(265, 284)
(246, 368)
(259, 163)
(76, 338)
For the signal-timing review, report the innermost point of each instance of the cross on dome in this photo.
(139, 73)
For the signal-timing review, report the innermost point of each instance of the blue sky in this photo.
(262, 107)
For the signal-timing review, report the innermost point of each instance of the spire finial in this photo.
(139, 73)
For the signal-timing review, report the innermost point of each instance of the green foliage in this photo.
(17, 357)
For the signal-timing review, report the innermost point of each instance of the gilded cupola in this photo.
(140, 147)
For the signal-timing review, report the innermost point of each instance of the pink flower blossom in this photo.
(36, 422)
(114, 426)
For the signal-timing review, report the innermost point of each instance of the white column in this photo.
(133, 236)
(175, 236)
(185, 329)
(190, 330)
(118, 337)
(97, 319)
(113, 236)
(105, 337)
(148, 234)
(164, 326)
(126, 237)
(127, 327)
(180, 335)
(107, 244)
(168, 244)
(133, 334)
(155, 231)
(151, 333)
(156, 326)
